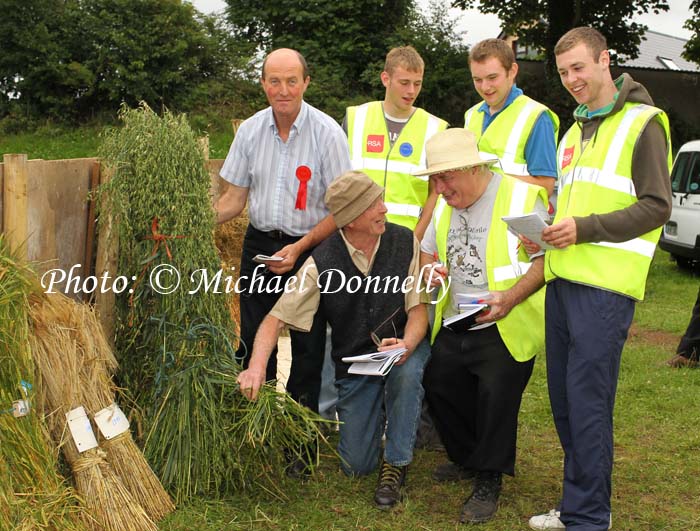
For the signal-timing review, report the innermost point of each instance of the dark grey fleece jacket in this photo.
(649, 174)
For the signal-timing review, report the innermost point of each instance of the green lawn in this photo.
(657, 460)
(52, 143)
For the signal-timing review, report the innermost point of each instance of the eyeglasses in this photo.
(373, 334)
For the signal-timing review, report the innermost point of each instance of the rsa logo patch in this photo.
(375, 143)
(568, 155)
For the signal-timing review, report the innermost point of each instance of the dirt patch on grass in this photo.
(666, 340)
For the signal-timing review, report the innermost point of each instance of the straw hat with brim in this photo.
(452, 149)
(350, 195)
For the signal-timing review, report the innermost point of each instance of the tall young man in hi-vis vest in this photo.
(519, 131)
(387, 140)
(475, 378)
(614, 197)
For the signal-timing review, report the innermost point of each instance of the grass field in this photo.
(657, 459)
(54, 142)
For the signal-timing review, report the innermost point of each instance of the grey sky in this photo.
(480, 26)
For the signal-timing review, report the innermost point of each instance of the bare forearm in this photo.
(540, 180)
(320, 232)
(416, 326)
(230, 203)
(529, 283)
(265, 342)
(426, 215)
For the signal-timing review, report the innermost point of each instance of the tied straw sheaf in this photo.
(33, 494)
(176, 351)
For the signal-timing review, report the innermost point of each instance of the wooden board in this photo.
(57, 213)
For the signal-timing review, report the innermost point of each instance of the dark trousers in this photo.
(307, 348)
(689, 347)
(586, 329)
(474, 388)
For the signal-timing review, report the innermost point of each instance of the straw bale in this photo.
(56, 353)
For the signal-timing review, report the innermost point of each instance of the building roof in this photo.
(660, 52)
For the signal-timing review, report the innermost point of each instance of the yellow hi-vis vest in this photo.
(506, 137)
(391, 166)
(598, 180)
(522, 330)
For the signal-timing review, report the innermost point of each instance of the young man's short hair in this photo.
(592, 38)
(488, 48)
(406, 57)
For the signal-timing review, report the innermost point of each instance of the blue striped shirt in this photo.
(260, 161)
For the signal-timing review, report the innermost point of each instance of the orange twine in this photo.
(157, 238)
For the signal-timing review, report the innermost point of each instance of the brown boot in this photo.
(391, 479)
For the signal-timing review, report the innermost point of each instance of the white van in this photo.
(681, 235)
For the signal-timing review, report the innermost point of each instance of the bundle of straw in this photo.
(33, 495)
(176, 350)
(95, 362)
(56, 353)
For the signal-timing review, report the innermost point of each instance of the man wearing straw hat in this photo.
(475, 379)
(362, 321)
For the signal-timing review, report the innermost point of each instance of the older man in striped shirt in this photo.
(281, 162)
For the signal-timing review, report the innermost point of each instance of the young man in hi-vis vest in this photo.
(387, 140)
(614, 197)
(519, 131)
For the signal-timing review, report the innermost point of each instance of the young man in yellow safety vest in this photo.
(387, 140)
(614, 197)
(517, 130)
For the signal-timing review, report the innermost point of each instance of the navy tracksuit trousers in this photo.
(586, 328)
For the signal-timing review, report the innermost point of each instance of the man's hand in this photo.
(561, 234)
(250, 381)
(530, 246)
(500, 304)
(290, 253)
(390, 343)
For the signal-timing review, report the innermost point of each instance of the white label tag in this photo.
(81, 430)
(111, 421)
(20, 408)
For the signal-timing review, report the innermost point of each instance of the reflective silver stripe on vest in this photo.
(430, 130)
(611, 181)
(437, 213)
(636, 245)
(508, 159)
(468, 118)
(517, 206)
(398, 209)
(357, 132)
(508, 272)
(614, 153)
(392, 166)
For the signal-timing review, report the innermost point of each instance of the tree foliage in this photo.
(691, 51)
(540, 23)
(76, 58)
(345, 43)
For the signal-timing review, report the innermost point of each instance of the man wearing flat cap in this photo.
(362, 321)
(475, 379)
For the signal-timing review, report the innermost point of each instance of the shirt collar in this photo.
(359, 258)
(298, 123)
(514, 93)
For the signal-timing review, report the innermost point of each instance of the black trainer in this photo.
(391, 479)
(482, 504)
(452, 472)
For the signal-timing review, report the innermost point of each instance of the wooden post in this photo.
(14, 209)
(106, 261)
